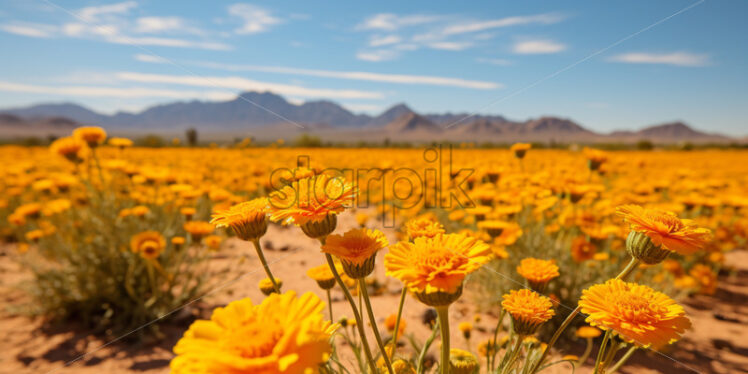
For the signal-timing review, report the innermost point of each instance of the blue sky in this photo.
(607, 65)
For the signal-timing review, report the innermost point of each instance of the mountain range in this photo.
(267, 115)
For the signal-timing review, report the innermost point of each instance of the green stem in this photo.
(587, 352)
(494, 349)
(622, 360)
(443, 313)
(424, 349)
(329, 304)
(601, 352)
(624, 273)
(349, 297)
(373, 321)
(399, 315)
(515, 352)
(260, 254)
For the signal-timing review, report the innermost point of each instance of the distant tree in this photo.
(644, 145)
(150, 140)
(191, 137)
(307, 141)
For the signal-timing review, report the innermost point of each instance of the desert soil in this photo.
(717, 343)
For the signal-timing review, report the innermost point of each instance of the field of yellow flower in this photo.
(551, 246)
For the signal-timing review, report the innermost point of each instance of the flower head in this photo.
(528, 309)
(120, 143)
(198, 229)
(423, 227)
(665, 229)
(537, 272)
(148, 244)
(92, 135)
(267, 287)
(637, 313)
(356, 249)
(248, 219)
(68, 147)
(462, 362)
(323, 276)
(310, 199)
(284, 334)
(588, 332)
(520, 149)
(436, 265)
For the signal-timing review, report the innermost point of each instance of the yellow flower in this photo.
(68, 147)
(391, 321)
(588, 332)
(283, 334)
(528, 310)
(665, 229)
(356, 249)
(149, 244)
(465, 328)
(537, 272)
(248, 219)
(520, 149)
(120, 143)
(213, 242)
(494, 228)
(436, 266)
(705, 278)
(310, 199)
(323, 276)
(267, 287)
(92, 135)
(198, 229)
(462, 362)
(637, 313)
(423, 227)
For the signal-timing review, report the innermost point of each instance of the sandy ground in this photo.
(717, 343)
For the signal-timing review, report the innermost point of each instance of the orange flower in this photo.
(198, 229)
(582, 249)
(423, 227)
(67, 147)
(391, 321)
(92, 135)
(665, 229)
(637, 313)
(520, 149)
(248, 219)
(149, 244)
(310, 199)
(284, 334)
(528, 309)
(436, 265)
(356, 249)
(537, 272)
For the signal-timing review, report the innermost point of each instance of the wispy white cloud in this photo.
(348, 75)
(377, 55)
(243, 84)
(440, 32)
(676, 59)
(151, 25)
(92, 13)
(450, 46)
(495, 61)
(527, 47)
(391, 22)
(142, 57)
(378, 41)
(255, 19)
(28, 29)
(475, 26)
(118, 92)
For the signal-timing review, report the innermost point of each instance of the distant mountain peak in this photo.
(412, 122)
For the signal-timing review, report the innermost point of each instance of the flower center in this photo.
(256, 339)
(638, 308)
